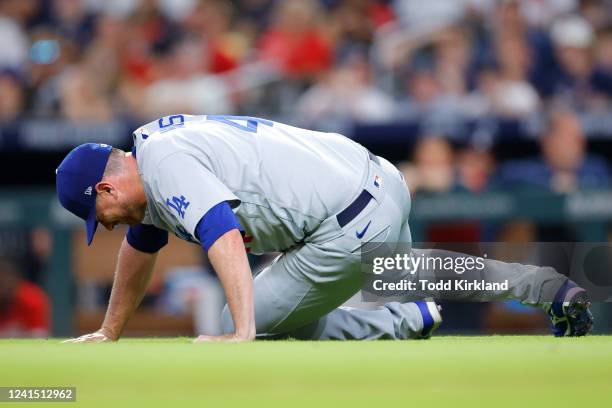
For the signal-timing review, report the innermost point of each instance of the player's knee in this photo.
(227, 323)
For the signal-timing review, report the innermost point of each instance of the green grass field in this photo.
(521, 371)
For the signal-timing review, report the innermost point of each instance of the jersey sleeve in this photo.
(217, 221)
(187, 190)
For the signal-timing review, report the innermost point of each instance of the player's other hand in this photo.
(97, 337)
(226, 338)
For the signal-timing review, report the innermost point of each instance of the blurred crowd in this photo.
(317, 61)
(564, 164)
(324, 64)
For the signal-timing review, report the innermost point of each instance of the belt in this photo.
(349, 213)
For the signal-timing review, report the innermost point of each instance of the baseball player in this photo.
(240, 184)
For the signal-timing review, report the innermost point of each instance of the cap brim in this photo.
(91, 224)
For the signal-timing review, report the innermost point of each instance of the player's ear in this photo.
(104, 187)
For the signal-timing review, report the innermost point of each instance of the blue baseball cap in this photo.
(76, 179)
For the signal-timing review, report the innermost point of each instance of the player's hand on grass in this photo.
(97, 337)
(226, 338)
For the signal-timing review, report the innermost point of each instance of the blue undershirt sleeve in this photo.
(146, 238)
(216, 222)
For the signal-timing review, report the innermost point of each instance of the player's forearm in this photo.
(228, 257)
(132, 277)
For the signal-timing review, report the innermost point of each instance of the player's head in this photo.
(120, 196)
(95, 183)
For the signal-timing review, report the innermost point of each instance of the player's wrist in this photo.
(108, 333)
(246, 334)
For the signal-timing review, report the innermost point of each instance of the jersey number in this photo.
(174, 120)
(245, 123)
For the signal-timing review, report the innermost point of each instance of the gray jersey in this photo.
(281, 181)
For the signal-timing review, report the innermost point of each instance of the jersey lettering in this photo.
(178, 204)
(245, 123)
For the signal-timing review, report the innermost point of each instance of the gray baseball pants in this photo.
(300, 293)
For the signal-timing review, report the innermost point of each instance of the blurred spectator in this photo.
(597, 12)
(352, 23)
(564, 165)
(582, 83)
(452, 53)
(419, 16)
(295, 41)
(226, 47)
(513, 95)
(24, 307)
(254, 15)
(72, 20)
(433, 71)
(426, 100)
(437, 167)
(80, 99)
(29, 249)
(543, 12)
(184, 84)
(507, 59)
(434, 170)
(474, 168)
(49, 56)
(432, 166)
(147, 32)
(13, 15)
(344, 96)
(603, 49)
(13, 99)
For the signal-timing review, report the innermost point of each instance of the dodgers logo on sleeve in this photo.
(178, 204)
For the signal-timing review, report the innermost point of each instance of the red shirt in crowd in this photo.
(299, 55)
(28, 315)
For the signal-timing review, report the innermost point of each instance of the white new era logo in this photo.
(88, 191)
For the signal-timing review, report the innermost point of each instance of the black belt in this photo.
(349, 213)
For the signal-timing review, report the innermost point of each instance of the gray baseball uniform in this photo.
(287, 186)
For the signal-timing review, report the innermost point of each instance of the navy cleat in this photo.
(431, 317)
(569, 312)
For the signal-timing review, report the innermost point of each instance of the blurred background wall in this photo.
(497, 112)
